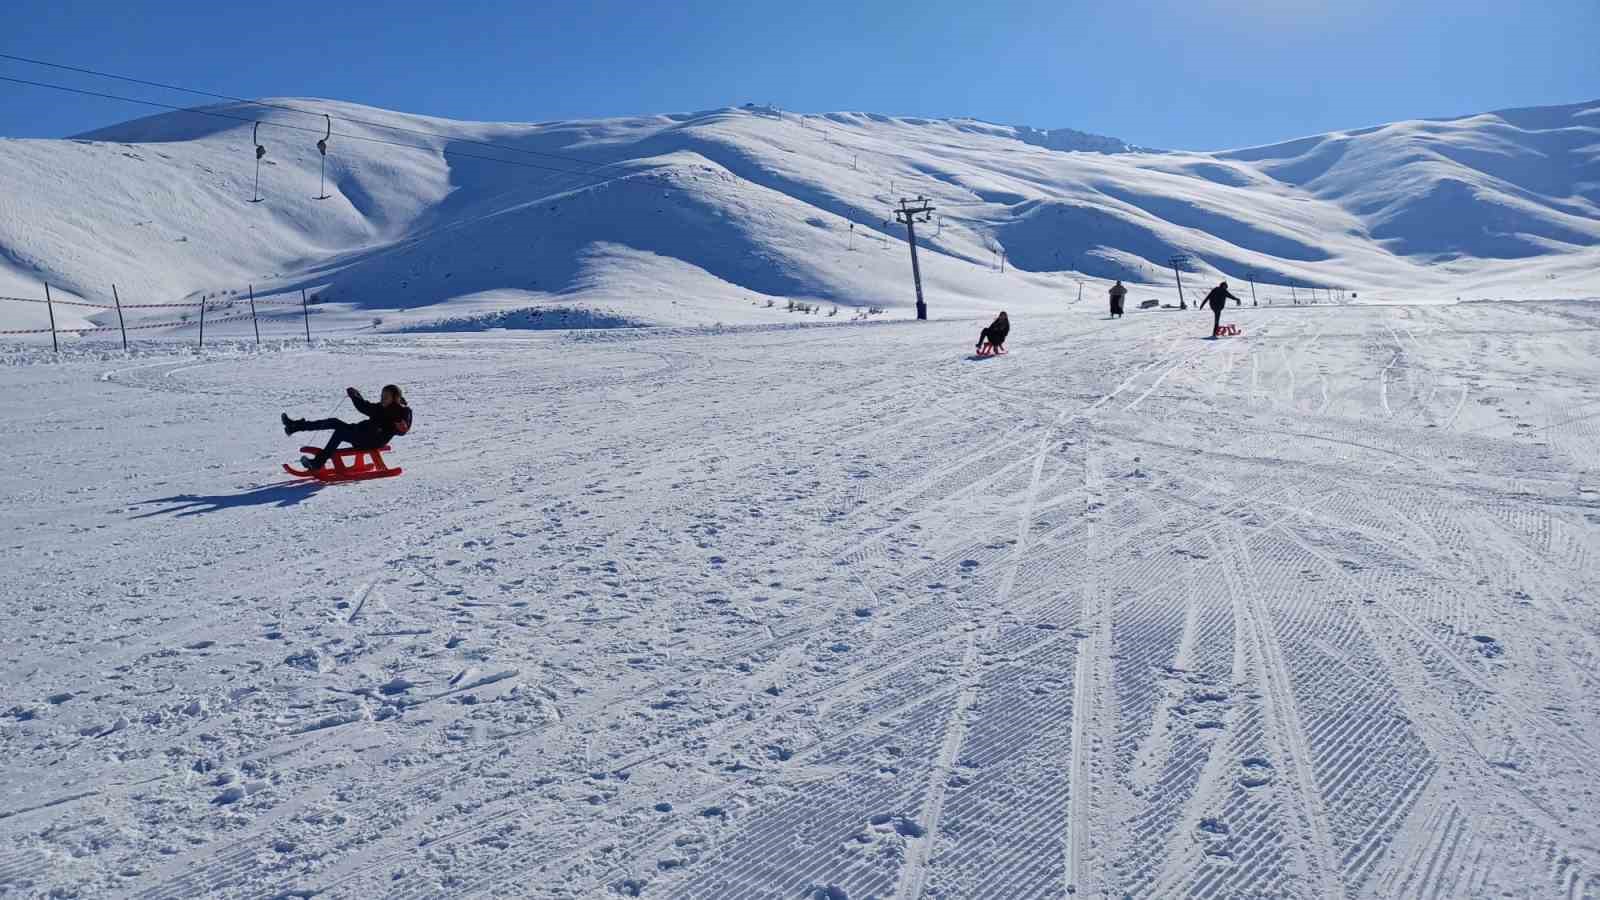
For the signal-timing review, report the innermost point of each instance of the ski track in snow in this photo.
(834, 614)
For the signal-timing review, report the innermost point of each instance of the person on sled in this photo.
(1117, 293)
(995, 335)
(1217, 299)
(385, 419)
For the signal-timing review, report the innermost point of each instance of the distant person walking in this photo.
(1117, 293)
(1217, 299)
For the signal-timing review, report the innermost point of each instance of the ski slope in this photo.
(702, 218)
(817, 612)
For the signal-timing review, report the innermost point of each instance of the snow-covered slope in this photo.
(810, 614)
(1506, 185)
(701, 217)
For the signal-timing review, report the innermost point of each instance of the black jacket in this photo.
(998, 330)
(1219, 296)
(384, 421)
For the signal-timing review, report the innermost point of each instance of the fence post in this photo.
(307, 313)
(253, 315)
(51, 308)
(202, 321)
(120, 324)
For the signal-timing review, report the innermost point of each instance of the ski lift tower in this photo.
(909, 214)
(1178, 261)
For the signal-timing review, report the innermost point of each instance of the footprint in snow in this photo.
(1256, 772)
(899, 824)
(396, 685)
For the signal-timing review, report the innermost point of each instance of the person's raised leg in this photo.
(342, 434)
(291, 426)
(320, 424)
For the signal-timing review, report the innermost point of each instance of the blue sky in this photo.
(1191, 74)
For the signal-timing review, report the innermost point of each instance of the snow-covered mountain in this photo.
(701, 217)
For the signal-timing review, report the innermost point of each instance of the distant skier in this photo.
(995, 334)
(1217, 299)
(385, 419)
(1117, 293)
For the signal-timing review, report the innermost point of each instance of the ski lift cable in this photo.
(594, 179)
(301, 111)
(286, 126)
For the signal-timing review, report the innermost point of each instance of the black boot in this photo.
(311, 463)
(290, 426)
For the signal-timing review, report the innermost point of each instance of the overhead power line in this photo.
(317, 131)
(295, 109)
(593, 177)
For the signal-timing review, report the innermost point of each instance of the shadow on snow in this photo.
(280, 495)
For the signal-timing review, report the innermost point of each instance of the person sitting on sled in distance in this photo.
(995, 334)
(1217, 299)
(385, 419)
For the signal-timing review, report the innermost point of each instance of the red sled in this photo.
(1227, 331)
(991, 350)
(347, 465)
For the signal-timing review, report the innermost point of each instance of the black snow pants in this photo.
(360, 435)
(1216, 318)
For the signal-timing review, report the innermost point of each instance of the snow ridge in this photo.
(699, 218)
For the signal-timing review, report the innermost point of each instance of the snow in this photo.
(701, 218)
(830, 611)
(709, 575)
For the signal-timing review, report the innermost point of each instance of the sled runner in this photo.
(991, 350)
(347, 465)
